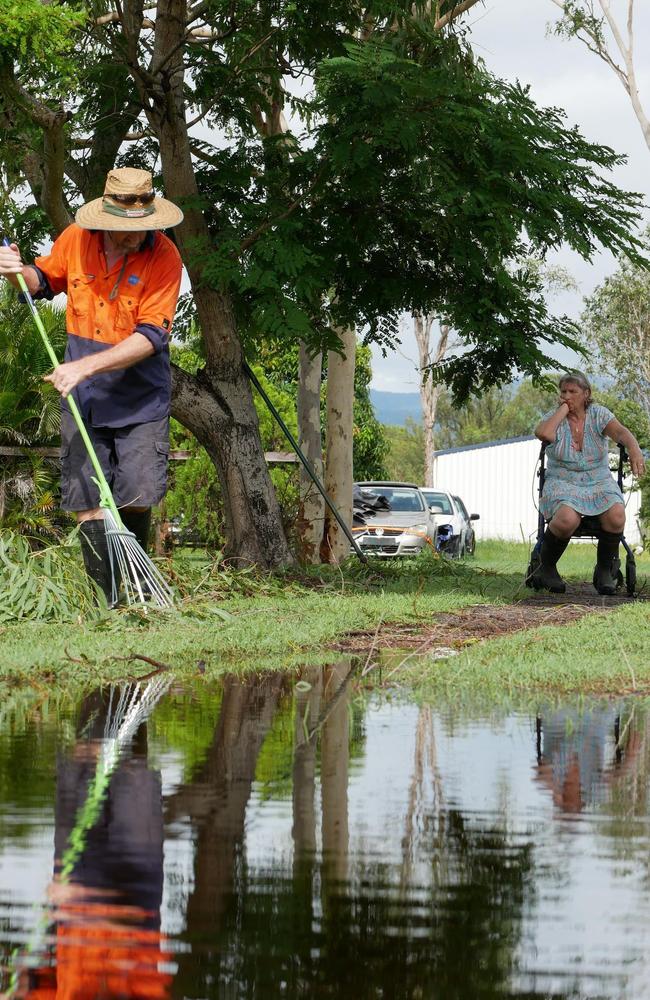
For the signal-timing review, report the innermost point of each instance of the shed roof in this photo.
(485, 444)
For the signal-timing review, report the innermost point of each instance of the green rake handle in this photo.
(105, 495)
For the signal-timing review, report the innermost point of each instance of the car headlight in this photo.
(416, 527)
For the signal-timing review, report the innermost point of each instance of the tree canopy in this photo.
(404, 176)
(337, 164)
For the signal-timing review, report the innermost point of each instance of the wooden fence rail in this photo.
(272, 457)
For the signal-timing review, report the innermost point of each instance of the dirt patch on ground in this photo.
(482, 621)
(585, 595)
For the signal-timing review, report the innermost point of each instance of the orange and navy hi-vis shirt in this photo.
(137, 295)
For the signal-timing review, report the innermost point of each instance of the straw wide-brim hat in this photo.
(119, 211)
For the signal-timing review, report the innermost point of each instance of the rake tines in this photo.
(132, 569)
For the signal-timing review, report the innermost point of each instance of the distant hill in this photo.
(395, 407)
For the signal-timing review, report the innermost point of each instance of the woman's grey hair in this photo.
(577, 378)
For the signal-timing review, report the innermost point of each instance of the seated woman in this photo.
(579, 482)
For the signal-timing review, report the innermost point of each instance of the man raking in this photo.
(122, 278)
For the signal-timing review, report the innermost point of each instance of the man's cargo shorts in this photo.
(134, 460)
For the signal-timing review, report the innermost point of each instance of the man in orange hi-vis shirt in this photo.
(122, 276)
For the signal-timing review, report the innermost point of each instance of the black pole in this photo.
(305, 461)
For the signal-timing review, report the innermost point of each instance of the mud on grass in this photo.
(585, 650)
(480, 621)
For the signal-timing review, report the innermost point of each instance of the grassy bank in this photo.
(231, 621)
(599, 654)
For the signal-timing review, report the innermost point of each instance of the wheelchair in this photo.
(589, 527)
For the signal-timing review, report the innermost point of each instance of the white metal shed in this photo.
(498, 481)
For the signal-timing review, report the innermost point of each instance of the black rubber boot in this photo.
(546, 576)
(139, 522)
(94, 549)
(608, 564)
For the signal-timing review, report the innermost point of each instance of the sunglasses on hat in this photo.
(132, 199)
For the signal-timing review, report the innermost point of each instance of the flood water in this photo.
(285, 836)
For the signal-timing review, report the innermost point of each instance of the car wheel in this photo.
(470, 546)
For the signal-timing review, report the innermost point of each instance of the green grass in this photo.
(599, 654)
(240, 621)
(577, 563)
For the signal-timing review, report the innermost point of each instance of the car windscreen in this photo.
(440, 500)
(401, 501)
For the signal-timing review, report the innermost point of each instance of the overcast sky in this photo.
(511, 36)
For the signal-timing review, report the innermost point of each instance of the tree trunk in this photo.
(217, 406)
(215, 801)
(311, 512)
(429, 393)
(218, 413)
(338, 471)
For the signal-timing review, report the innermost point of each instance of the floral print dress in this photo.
(580, 479)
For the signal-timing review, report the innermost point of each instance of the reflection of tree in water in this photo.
(339, 926)
(372, 939)
(215, 802)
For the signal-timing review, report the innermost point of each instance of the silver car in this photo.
(456, 535)
(396, 519)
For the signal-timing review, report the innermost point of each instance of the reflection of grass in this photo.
(183, 723)
(231, 621)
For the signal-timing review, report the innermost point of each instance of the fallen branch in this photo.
(147, 659)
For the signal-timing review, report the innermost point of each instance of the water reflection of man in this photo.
(107, 912)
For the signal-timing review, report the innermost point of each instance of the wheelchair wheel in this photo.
(630, 576)
(619, 578)
(534, 563)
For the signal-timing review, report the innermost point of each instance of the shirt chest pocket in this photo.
(127, 308)
(81, 303)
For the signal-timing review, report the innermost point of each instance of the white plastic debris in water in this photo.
(442, 652)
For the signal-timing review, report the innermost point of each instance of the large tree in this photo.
(337, 164)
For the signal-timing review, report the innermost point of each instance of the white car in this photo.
(392, 519)
(455, 531)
